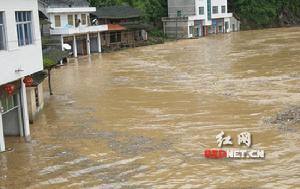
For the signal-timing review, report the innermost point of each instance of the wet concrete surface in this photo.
(141, 118)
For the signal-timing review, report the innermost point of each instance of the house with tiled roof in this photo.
(125, 27)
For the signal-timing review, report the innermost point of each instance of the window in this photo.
(2, 32)
(201, 10)
(83, 19)
(215, 10)
(115, 37)
(8, 103)
(223, 9)
(24, 27)
(88, 20)
(57, 21)
(70, 20)
(178, 13)
(37, 99)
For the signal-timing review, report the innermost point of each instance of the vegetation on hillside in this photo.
(266, 13)
(253, 13)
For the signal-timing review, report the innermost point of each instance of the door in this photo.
(226, 27)
(11, 114)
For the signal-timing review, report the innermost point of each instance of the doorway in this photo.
(11, 114)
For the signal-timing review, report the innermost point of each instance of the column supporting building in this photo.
(25, 110)
(99, 42)
(88, 44)
(74, 46)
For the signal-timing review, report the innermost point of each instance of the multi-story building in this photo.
(20, 56)
(70, 21)
(195, 18)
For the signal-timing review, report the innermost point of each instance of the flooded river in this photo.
(141, 118)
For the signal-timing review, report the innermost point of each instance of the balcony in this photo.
(78, 30)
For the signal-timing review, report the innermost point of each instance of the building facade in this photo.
(196, 18)
(20, 56)
(70, 22)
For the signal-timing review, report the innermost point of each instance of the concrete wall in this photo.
(234, 23)
(33, 110)
(64, 19)
(28, 58)
(182, 28)
(187, 7)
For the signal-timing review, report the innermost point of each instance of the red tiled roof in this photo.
(115, 27)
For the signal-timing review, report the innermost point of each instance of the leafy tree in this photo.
(51, 57)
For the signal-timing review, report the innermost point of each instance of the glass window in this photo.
(2, 32)
(83, 19)
(8, 102)
(70, 20)
(201, 10)
(215, 10)
(178, 13)
(223, 9)
(24, 28)
(57, 21)
(115, 37)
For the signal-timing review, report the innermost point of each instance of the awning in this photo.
(115, 27)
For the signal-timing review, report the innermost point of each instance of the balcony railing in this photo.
(78, 30)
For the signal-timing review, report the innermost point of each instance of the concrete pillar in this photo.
(2, 142)
(62, 46)
(62, 42)
(25, 110)
(88, 44)
(74, 46)
(99, 42)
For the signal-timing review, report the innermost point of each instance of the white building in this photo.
(195, 18)
(70, 21)
(20, 56)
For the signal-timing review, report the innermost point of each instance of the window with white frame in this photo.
(223, 9)
(215, 9)
(24, 27)
(70, 20)
(2, 32)
(83, 19)
(57, 21)
(201, 10)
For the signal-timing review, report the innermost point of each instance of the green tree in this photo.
(51, 57)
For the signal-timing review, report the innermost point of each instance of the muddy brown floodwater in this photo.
(141, 118)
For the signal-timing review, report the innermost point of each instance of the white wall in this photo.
(64, 19)
(27, 58)
(201, 3)
(219, 3)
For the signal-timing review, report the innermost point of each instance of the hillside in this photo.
(254, 14)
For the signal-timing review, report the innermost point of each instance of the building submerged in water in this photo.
(89, 29)
(20, 57)
(197, 18)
